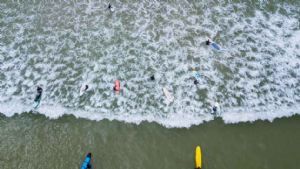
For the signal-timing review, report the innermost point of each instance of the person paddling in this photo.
(110, 7)
(117, 86)
(208, 42)
(87, 162)
(86, 87)
(39, 94)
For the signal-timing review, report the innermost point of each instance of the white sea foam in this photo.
(63, 45)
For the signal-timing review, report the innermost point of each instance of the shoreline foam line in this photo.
(236, 115)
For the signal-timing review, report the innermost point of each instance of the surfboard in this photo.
(87, 162)
(214, 45)
(169, 96)
(198, 158)
(36, 104)
(112, 9)
(82, 90)
(196, 75)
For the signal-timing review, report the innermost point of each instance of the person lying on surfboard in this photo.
(83, 89)
(39, 94)
(208, 42)
(110, 7)
(117, 86)
(196, 76)
(86, 87)
(214, 45)
(87, 162)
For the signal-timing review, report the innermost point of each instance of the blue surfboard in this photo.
(215, 46)
(87, 162)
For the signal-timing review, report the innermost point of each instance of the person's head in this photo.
(196, 82)
(152, 77)
(39, 89)
(109, 5)
(89, 154)
(86, 87)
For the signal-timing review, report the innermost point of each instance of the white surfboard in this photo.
(112, 9)
(82, 89)
(36, 104)
(169, 95)
(196, 75)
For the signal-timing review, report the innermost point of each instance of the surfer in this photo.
(196, 76)
(215, 109)
(86, 87)
(87, 162)
(117, 87)
(110, 7)
(152, 78)
(83, 89)
(39, 94)
(208, 42)
(196, 82)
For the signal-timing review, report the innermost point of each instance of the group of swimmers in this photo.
(117, 86)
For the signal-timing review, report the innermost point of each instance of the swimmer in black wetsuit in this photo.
(109, 6)
(208, 42)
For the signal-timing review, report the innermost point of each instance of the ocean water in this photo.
(61, 45)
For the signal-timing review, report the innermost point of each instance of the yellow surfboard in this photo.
(198, 158)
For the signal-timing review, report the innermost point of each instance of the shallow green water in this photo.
(33, 141)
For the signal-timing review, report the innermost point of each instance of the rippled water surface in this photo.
(62, 45)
